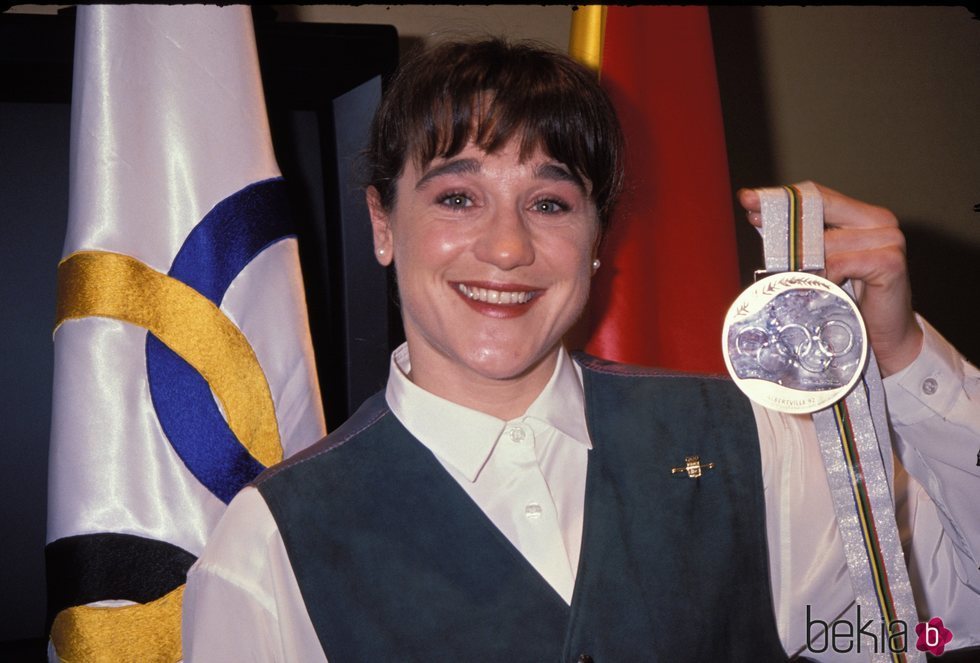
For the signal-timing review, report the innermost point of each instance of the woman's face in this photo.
(493, 258)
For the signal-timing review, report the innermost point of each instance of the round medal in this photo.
(794, 342)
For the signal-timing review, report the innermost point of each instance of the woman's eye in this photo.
(455, 200)
(549, 206)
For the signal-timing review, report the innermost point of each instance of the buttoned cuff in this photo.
(931, 385)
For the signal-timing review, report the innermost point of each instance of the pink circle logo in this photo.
(933, 636)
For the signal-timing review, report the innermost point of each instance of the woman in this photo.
(501, 499)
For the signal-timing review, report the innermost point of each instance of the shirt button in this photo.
(929, 386)
(532, 511)
(517, 435)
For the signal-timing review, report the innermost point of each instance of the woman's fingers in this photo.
(840, 211)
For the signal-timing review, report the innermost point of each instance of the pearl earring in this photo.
(595, 265)
(381, 252)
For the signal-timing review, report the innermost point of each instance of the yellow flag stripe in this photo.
(587, 34)
(123, 634)
(112, 285)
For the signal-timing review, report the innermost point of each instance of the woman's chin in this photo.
(495, 364)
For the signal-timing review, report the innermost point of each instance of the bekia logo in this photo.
(933, 636)
(842, 636)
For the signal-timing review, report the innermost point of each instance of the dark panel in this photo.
(745, 111)
(33, 212)
(322, 83)
(36, 57)
(363, 283)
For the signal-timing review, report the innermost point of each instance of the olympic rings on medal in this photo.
(781, 347)
(794, 342)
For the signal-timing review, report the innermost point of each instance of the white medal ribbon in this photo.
(855, 440)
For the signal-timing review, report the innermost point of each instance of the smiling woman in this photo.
(503, 500)
(488, 187)
(493, 256)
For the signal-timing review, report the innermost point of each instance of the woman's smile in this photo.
(498, 300)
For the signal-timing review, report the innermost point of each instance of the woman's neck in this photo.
(504, 397)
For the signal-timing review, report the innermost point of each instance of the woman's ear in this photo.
(380, 227)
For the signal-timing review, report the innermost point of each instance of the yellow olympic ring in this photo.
(112, 285)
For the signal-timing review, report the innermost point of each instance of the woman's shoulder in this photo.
(598, 365)
(373, 411)
(614, 386)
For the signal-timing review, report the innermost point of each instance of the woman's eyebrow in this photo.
(454, 167)
(553, 171)
(548, 171)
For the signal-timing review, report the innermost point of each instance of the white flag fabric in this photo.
(183, 360)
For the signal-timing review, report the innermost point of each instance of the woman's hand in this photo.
(863, 243)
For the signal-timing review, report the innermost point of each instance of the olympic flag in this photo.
(183, 360)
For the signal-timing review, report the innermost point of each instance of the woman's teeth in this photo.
(495, 296)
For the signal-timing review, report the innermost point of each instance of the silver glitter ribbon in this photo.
(778, 245)
(855, 442)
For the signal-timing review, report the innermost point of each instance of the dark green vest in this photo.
(396, 563)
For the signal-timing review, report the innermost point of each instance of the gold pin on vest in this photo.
(693, 467)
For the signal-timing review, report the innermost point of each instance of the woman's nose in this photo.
(506, 241)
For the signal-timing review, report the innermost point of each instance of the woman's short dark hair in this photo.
(490, 91)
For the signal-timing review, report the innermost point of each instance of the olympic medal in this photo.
(795, 342)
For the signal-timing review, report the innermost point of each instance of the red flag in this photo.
(669, 263)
